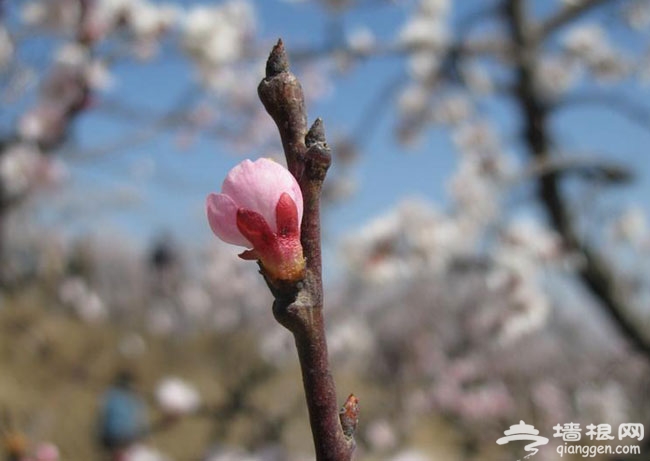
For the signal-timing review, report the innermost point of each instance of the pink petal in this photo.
(257, 186)
(222, 216)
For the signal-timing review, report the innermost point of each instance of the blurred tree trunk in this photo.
(595, 273)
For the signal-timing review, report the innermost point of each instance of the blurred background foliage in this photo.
(487, 239)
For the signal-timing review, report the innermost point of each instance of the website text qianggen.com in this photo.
(591, 451)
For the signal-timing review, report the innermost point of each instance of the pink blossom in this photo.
(47, 452)
(260, 207)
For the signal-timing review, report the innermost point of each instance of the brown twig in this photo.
(299, 306)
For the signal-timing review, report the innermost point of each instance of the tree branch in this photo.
(600, 169)
(484, 11)
(564, 16)
(299, 306)
(632, 110)
(595, 274)
(476, 47)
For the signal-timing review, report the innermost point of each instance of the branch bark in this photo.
(566, 15)
(596, 274)
(587, 167)
(625, 107)
(299, 306)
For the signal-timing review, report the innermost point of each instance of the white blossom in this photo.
(6, 48)
(132, 345)
(556, 75)
(590, 44)
(176, 397)
(147, 20)
(54, 14)
(424, 32)
(86, 303)
(33, 12)
(585, 40)
(423, 65)
(217, 35)
(98, 75)
(277, 347)
(195, 300)
(43, 122)
(572, 3)
(607, 402)
(350, 338)
(161, 319)
(381, 435)
(477, 78)
(452, 109)
(72, 54)
(637, 14)
(435, 8)
(491, 400)
(532, 312)
(413, 99)
(141, 452)
(475, 136)
(473, 191)
(231, 454)
(631, 226)
(411, 455)
(400, 244)
(19, 164)
(528, 235)
(361, 40)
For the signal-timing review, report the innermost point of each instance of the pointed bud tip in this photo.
(349, 415)
(278, 61)
(351, 403)
(316, 133)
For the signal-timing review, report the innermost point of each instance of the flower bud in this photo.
(260, 207)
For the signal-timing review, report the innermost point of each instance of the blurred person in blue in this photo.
(123, 419)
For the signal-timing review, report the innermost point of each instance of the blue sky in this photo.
(387, 173)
